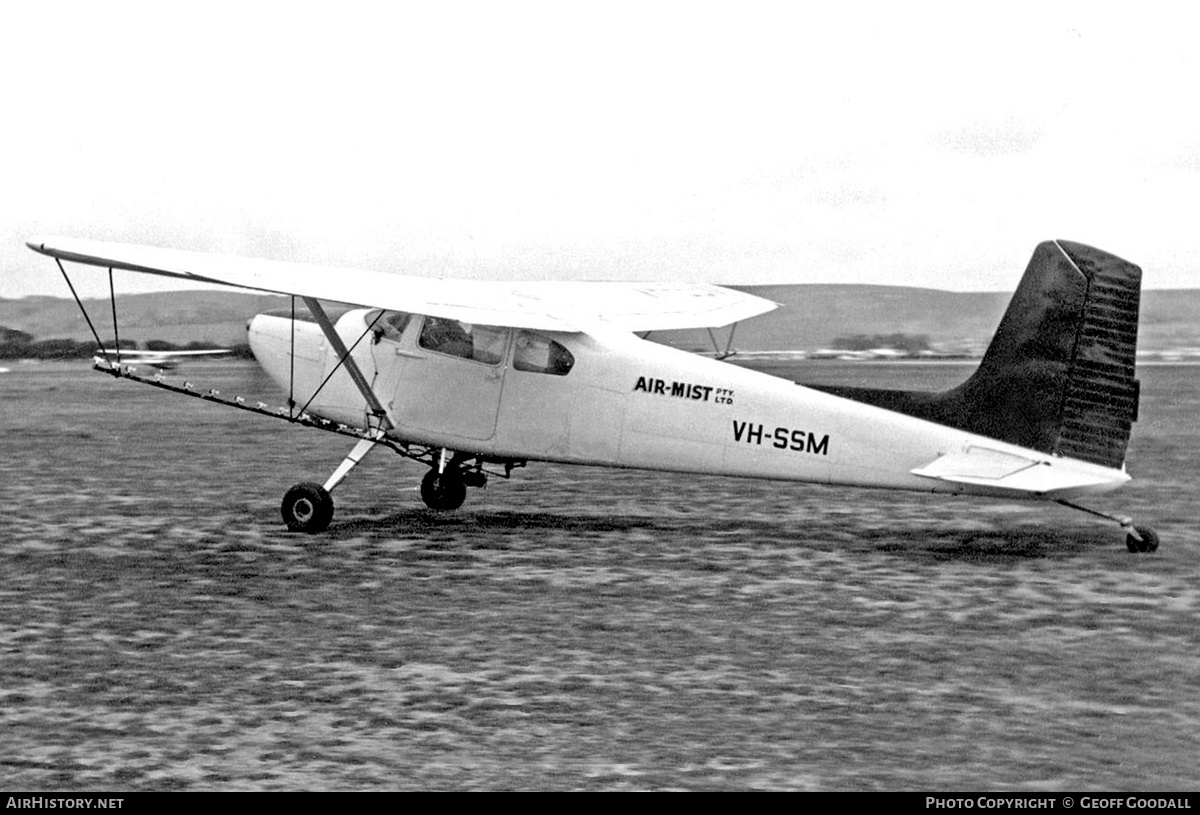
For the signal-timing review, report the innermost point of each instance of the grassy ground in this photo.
(574, 628)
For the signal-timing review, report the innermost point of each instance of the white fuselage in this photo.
(626, 402)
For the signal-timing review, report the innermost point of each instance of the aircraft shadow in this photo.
(940, 540)
(467, 523)
(952, 544)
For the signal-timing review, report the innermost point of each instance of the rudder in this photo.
(1102, 397)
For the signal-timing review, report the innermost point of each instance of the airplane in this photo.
(478, 378)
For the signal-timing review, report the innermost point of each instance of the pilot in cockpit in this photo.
(446, 337)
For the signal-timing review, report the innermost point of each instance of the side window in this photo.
(541, 355)
(482, 343)
(490, 343)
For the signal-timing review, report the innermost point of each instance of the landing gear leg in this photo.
(1138, 539)
(308, 507)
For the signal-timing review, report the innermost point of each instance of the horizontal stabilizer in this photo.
(980, 466)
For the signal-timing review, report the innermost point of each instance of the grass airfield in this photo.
(573, 628)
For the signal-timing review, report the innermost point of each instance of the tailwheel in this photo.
(307, 508)
(1137, 538)
(445, 490)
(1148, 542)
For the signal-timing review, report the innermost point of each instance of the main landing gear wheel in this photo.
(1148, 542)
(443, 491)
(307, 508)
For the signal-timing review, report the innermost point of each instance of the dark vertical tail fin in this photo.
(1059, 374)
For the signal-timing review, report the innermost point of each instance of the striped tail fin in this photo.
(1059, 374)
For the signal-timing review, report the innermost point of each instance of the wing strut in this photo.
(292, 361)
(78, 302)
(378, 409)
(728, 352)
(112, 298)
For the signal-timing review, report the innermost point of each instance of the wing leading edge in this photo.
(574, 306)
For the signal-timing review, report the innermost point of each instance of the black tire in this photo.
(1149, 539)
(307, 508)
(1148, 542)
(443, 491)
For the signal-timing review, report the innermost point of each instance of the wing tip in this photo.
(51, 245)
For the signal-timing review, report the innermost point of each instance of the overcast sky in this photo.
(912, 143)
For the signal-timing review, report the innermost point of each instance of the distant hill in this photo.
(811, 316)
(815, 315)
(178, 317)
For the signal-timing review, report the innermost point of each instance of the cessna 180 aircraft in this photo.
(476, 378)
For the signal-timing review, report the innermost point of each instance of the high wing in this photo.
(576, 306)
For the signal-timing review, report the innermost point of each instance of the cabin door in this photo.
(452, 379)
